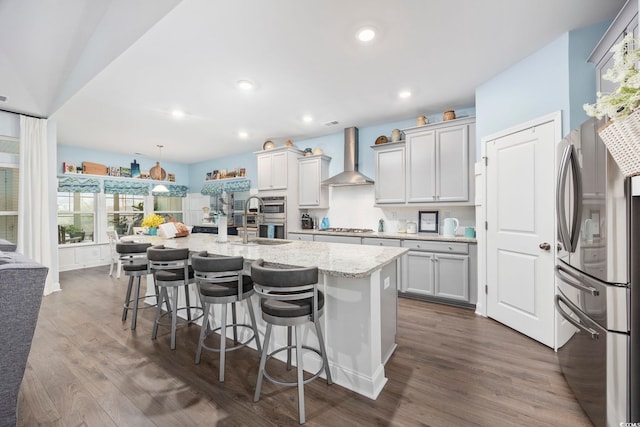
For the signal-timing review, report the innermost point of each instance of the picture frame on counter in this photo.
(428, 222)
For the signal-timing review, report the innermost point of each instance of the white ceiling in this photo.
(110, 72)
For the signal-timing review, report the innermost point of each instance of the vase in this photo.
(153, 231)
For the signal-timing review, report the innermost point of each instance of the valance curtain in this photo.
(78, 185)
(34, 213)
(174, 191)
(126, 187)
(216, 188)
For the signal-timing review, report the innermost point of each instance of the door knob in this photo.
(545, 246)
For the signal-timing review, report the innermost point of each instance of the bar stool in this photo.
(133, 257)
(220, 281)
(289, 297)
(171, 270)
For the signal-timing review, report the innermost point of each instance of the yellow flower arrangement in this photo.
(152, 220)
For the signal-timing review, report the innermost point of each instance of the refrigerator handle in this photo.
(577, 199)
(560, 195)
(569, 279)
(594, 334)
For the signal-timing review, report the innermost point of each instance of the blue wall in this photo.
(555, 78)
(77, 155)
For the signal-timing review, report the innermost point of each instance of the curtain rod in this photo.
(23, 114)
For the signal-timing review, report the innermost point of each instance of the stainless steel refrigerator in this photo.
(598, 264)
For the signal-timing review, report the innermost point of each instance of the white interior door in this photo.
(521, 231)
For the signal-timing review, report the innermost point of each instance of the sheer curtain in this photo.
(34, 230)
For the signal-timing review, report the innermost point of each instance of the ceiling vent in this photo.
(3, 98)
(331, 123)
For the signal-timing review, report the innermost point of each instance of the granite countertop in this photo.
(334, 259)
(383, 235)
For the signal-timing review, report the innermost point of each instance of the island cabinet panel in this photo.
(312, 170)
(390, 173)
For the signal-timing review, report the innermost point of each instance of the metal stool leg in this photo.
(288, 348)
(162, 296)
(223, 340)
(174, 317)
(254, 326)
(233, 318)
(135, 303)
(203, 330)
(263, 362)
(323, 349)
(127, 297)
(300, 374)
(186, 299)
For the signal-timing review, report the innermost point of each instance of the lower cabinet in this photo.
(304, 237)
(437, 269)
(337, 239)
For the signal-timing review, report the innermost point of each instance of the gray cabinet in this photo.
(390, 173)
(377, 241)
(312, 170)
(439, 163)
(438, 269)
(278, 169)
(337, 239)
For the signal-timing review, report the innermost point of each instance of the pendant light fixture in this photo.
(157, 172)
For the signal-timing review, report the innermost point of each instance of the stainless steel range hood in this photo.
(350, 176)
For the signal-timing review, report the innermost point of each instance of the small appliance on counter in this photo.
(402, 226)
(450, 227)
(412, 227)
(306, 222)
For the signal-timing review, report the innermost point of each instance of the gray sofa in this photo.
(21, 286)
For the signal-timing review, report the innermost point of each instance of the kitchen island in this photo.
(360, 314)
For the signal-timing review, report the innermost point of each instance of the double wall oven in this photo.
(273, 221)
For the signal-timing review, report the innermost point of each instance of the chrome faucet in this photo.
(245, 237)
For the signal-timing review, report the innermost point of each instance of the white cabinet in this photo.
(337, 239)
(437, 269)
(439, 163)
(272, 171)
(390, 173)
(298, 236)
(312, 170)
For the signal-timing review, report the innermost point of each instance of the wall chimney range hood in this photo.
(350, 176)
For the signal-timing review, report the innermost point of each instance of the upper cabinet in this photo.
(433, 166)
(390, 167)
(277, 168)
(312, 170)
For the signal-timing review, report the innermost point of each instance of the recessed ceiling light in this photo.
(242, 134)
(366, 34)
(307, 118)
(404, 94)
(245, 84)
(178, 114)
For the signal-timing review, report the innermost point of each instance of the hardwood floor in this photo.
(87, 368)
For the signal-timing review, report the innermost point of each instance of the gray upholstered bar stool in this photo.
(133, 257)
(221, 281)
(289, 297)
(171, 270)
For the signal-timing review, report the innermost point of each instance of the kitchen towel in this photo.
(270, 231)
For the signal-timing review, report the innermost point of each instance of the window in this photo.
(9, 180)
(168, 206)
(124, 211)
(76, 217)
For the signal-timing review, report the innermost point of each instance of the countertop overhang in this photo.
(334, 259)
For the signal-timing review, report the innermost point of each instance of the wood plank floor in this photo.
(451, 368)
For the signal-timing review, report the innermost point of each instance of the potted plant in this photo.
(621, 135)
(152, 222)
(75, 233)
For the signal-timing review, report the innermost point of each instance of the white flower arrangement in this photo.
(620, 103)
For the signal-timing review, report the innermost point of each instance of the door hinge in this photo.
(486, 225)
(486, 161)
(486, 289)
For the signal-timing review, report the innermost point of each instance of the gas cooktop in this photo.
(348, 230)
